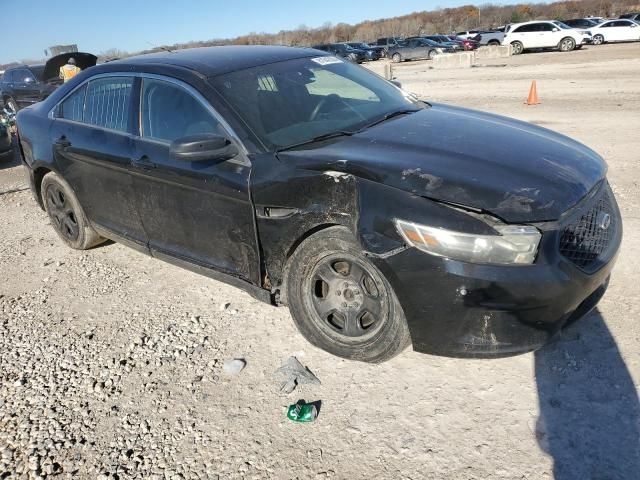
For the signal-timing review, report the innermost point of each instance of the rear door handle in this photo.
(63, 142)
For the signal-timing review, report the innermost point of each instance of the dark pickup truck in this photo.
(28, 84)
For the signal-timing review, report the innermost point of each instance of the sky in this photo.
(30, 26)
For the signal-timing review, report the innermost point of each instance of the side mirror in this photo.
(555, 30)
(29, 80)
(203, 147)
(396, 83)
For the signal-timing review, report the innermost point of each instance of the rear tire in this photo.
(567, 44)
(518, 48)
(493, 43)
(66, 214)
(396, 58)
(341, 302)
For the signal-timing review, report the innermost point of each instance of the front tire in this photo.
(518, 48)
(66, 215)
(341, 302)
(396, 58)
(567, 44)
(432, 54)
(598, 40)
(493, 43)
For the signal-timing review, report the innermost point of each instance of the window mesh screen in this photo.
(107, 103)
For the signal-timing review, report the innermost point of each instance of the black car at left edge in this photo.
(306, 180)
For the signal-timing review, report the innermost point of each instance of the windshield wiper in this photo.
(319, 138)
(389, 116)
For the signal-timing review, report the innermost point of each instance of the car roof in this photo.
(18, 67)
(514, 25)
(213, 61)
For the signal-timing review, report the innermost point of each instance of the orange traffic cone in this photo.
(532, 99)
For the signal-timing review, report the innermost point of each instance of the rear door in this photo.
(200, 212)
(93, 146)
(624, 30)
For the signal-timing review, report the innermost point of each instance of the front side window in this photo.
(169, 112)
(72, 108)
(108, 103)
(307, 98)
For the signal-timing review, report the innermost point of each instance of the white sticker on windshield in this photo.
(326, 60)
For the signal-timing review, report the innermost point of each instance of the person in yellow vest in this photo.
(68, 71)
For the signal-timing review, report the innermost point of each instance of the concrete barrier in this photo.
(381, 67)
(494, 51)
(454, 60)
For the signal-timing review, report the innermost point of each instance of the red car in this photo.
(466, 43)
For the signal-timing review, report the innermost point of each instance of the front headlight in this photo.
(513, 244)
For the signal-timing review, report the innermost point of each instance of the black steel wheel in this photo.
(61, 212)
(66, 214)
(341, 302)
(348, 296)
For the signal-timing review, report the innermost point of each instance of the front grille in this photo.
(583, 241)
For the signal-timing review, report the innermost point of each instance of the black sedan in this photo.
(343, 50)
(309, 181)
(373, 53)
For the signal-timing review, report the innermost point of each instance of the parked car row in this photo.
(569, 35)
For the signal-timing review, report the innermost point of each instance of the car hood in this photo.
(52, 67)
(517, 171)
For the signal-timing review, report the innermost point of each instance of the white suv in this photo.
(544, 34)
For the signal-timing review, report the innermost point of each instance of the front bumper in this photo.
(461, 309)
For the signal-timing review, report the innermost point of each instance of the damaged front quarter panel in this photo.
(292, 202)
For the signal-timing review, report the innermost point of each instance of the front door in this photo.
(93, 147)
(200, 212)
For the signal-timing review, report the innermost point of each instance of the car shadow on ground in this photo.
(8, 160)
(589, 409)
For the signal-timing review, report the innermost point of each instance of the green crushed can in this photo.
(302, 412)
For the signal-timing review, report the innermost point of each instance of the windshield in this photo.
(562, 25)
(291, 102)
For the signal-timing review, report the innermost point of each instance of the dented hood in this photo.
(515, 170)
(52, 67)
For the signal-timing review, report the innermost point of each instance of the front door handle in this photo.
(63, 142)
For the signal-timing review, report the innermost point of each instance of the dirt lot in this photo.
(111, 362)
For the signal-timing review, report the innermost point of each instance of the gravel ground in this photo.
(111, 363)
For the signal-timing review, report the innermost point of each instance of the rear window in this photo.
(37, 72)
(108, 103)
(73, 106)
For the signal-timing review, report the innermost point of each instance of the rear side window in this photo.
(108, 103)
(73, 106)
(169, 112)
(533, 27)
